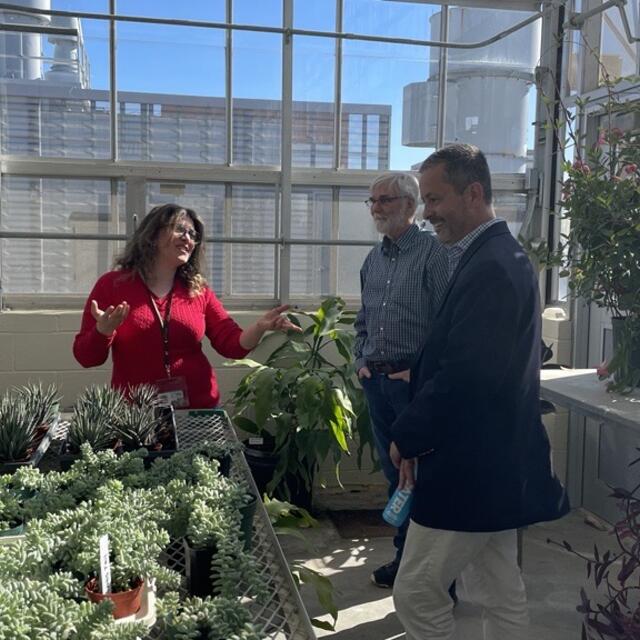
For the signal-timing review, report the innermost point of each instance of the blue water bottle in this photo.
(398, 507)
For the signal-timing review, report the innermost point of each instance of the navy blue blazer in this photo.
(474, 418)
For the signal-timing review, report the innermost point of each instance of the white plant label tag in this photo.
(257, 440)
(105, 565)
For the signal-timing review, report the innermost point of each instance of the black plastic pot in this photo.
(248, 512)
(262, 462)
(617, 325)
(40, 445)
(197, 568)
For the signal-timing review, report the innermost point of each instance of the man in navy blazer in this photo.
(473, 425)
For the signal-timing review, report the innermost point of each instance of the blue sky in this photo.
(190, 61)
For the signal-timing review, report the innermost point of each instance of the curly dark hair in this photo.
(140, 251)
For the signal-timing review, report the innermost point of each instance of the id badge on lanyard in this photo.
(172, 389)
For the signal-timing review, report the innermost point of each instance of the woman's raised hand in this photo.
(273, 320)
(111, 318)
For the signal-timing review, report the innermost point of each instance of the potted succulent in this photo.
(68, 541)
(303, 404)
(105, 418)
(601, 203)
(27, 418)
(29, 494)
(143, 421)
(206, 514)
(206, 619)
(94, 415)
(49, 608)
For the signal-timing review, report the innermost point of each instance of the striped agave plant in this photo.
(95, 414)
(17, 427)
(41, 402)
(137, 421)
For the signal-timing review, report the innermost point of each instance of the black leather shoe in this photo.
(385, 575)
(452, 593)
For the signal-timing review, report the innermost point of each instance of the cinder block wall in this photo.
(36, 345)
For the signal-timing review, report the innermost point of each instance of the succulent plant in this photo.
(41, 402)
(17, 428)
(22, 411)
(137, 421)
(95, 414)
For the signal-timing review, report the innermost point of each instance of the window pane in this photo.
(266, 13)
(377, 83)
(324, 270)
(53, 98)
(252, 268)
(489, 98)
(320, 16)
(311, 266)
(207, 200)
(355, 223)
(313, 107)
(388, 18)
(177, 115)
(56, 205)
(257, 91)
(211, 10)
(512, 207)
(618, 56)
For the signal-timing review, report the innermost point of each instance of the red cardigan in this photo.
(136, 347)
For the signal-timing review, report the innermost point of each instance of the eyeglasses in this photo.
(182, 230)
(383, 200)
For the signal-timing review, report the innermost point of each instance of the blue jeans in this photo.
(386, 399)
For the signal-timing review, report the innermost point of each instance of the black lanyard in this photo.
(164, 329)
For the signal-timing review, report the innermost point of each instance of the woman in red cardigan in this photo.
(155, 308)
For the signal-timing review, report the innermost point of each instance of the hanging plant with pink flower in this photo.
(601, 252)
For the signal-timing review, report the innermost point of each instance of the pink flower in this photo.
(603, 371)
(582, 166)
(631, 169)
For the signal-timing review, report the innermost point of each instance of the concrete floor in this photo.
(552, 576)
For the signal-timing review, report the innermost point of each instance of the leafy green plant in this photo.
(305, 396)
(287, 519)
(613, 613)
(601, 202)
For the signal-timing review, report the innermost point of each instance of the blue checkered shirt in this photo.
(455, 251)
(402, 284)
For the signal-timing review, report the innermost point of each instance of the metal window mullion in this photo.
(335, 228)
(442, 78)
(285, 180)
(113, 103)
(227, 230)
(337, 122)
(228, 61)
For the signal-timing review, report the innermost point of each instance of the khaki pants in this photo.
(485, 563)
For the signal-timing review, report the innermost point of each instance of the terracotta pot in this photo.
(125, 603)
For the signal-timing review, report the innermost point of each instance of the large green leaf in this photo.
(263, 391)
(323, 588)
